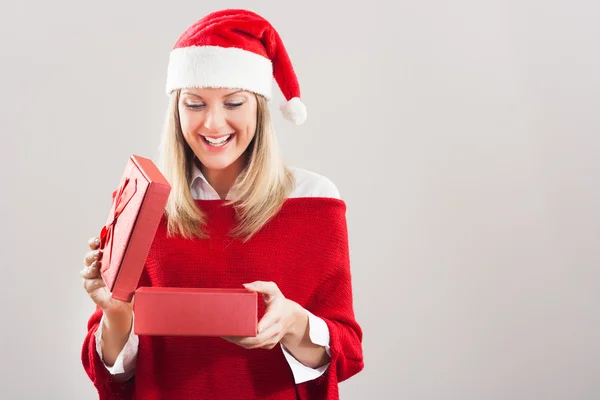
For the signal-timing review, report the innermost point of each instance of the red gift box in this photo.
(195, 312)
(137, 208)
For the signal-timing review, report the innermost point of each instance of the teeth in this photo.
(218, 142)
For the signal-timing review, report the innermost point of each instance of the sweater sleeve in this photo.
(332, 301)
(109, 387)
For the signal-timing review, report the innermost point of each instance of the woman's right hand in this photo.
(95, 286)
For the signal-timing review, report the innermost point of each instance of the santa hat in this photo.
(235, 49)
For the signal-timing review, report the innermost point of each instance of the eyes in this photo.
(231, 105)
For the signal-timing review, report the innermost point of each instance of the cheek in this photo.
(187, 121)
(245, 123)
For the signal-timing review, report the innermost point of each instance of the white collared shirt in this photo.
(308, 184)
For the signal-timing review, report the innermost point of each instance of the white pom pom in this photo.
(294, 110)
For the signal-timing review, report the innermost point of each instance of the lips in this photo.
(218, 141)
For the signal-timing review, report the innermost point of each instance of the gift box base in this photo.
(195, 312)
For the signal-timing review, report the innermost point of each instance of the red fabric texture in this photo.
(303, 249)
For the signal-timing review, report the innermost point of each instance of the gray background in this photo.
(463, 135)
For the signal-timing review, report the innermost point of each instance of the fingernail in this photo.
(94, 264)
(97, 241)
(96, 253)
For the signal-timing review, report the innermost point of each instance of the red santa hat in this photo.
(235, 49)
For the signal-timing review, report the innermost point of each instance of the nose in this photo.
(214, 119)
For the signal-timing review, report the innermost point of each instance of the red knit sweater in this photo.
(304, 250)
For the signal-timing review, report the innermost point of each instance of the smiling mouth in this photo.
(218, 142)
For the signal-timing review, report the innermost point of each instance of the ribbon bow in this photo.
(125, 192)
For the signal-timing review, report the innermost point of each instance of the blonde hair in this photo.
(261, 189)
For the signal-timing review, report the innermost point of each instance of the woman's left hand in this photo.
(282, 319)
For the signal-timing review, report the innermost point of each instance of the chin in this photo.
(216, 163)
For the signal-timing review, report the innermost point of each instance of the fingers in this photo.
(92, 256)
(92, 279)
(90, 272)
(270, 289)
(270, 331)
(91, 285)
(270, 317)
(94, 243)
(267, 339)
(232, 339)
(270, 327)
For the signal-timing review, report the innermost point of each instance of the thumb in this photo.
(268, 289)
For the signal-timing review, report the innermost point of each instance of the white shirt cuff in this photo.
(318, 331)
(124, 365)
(319, 334)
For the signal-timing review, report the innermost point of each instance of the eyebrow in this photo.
(197, 95)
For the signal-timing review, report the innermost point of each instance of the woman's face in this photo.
(218, 124)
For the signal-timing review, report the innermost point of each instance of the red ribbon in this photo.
(125, 192)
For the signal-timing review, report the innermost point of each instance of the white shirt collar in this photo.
(201, 189)
(307, 184)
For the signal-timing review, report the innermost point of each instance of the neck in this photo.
(222, 180)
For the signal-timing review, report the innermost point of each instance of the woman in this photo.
(236, 216)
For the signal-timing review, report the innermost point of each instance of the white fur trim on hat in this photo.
(294, 110)
(219, 67)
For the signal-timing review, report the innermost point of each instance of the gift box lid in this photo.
(137, 208)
